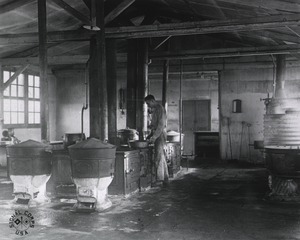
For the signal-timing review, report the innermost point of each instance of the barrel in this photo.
(92, 158)
(29, 158)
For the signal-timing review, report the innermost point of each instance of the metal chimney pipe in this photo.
(280, 76)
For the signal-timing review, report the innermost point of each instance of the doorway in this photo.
(196, 116)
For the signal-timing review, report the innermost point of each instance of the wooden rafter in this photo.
(274, 4)
(174, 29)
(72, 11)
(242, 10)
(87, 3)
(118, 10)
(15, 76)
(13, 5)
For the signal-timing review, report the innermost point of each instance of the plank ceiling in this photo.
(218, 27)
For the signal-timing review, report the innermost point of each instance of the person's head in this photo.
(150, 100)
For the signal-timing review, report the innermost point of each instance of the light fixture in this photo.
(92, 26)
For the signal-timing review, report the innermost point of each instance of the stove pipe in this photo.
(277, 104)
(280, 76)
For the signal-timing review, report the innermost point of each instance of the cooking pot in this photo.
(126, 135)
(138, 144)
(173, 136)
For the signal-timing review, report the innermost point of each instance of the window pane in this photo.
(14, 105)
(37, 106)
(30, 106)
(6, 117)
(5, 76)
(6, 103)
(14, 117)
(30, 80)
(21, 118)
(37, 118)
(13, 90)
(21, 79)
(30, 92)
(14, 82)
(20, 105)
(20, 91)
(37, 81)
(6, 91)
(37, 93)
(30, 118)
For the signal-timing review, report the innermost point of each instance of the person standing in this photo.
(158, 136)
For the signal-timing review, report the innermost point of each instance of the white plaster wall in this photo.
(70, 98)
(192, 89)
(251, 86)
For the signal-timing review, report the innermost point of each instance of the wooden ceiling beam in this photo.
(274, 4)
(72, 11)
(118, 10)
(187, 54)
(232, 9)
(58, 60)
(174, 29)
(279, 36)
(13, 5)
(227, 52)
(87, 3)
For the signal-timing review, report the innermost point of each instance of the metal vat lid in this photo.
(29, 144)
(173, 133)
(92, 143)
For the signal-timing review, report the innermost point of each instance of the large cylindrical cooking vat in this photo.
(282, 153)
(92, 158)
(29, 158)
(93, 165)
(283, 160)
(29, 165)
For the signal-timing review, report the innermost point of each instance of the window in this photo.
(33, 99)
(21, 101)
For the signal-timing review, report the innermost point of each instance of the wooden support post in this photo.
(101, 56)
(142, 87)
(165, 84)
(1, 98)
(112, 89)
(42, 26)
(131, 84)
(94, 100)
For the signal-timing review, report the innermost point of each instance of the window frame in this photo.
(26, 100)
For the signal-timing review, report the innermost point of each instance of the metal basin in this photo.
(126, 135)
(139, 144)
